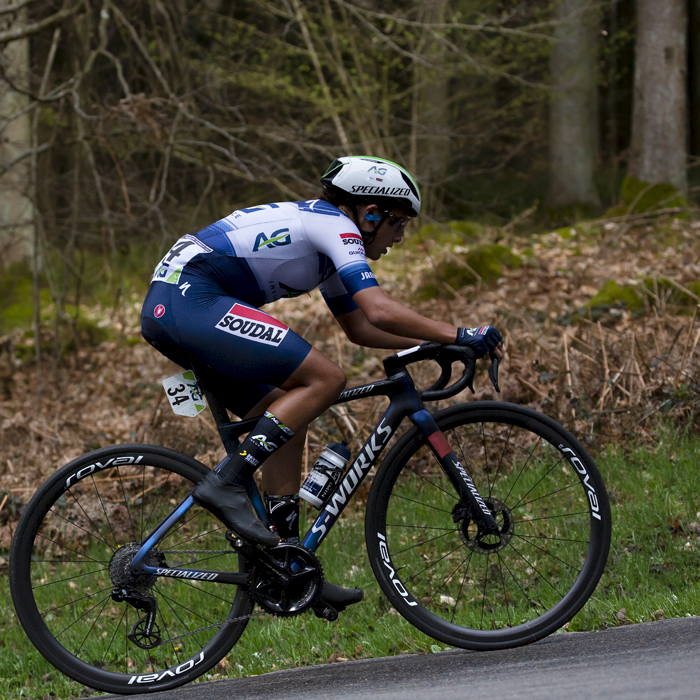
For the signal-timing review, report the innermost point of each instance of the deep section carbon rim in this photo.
(73, 546)
(475, 590)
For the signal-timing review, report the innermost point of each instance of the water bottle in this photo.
(326, 474)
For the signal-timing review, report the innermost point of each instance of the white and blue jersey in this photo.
(273, 251)
(206, 292)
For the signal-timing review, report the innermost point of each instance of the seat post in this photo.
(217, 408)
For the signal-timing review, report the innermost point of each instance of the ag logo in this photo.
(278, 238)
(377, 171)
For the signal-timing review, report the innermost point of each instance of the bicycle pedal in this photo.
(325, 610)
(234, 539)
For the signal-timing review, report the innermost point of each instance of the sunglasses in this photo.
(396, 220)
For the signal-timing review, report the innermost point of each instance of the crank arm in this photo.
(259, 557)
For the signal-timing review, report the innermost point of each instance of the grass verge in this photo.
(652, 572)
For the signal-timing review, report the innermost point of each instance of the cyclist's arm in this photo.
(392, 318)
(360, 331)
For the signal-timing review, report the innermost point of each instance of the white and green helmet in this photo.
(373, 180)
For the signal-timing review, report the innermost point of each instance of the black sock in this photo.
(266, 437)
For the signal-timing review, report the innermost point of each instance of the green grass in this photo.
(653, 566)
(654, 562)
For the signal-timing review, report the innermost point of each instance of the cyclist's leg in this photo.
(281, 471)
(281, 480)
(233, 338)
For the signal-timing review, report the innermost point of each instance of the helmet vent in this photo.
(410, 184)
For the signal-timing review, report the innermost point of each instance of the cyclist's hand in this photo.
(483, 339)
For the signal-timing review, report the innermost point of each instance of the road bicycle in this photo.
(487, 526)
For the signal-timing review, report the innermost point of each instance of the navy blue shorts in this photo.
(241, 352)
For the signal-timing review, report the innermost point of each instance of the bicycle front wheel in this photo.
(72, 548)
(479, 592)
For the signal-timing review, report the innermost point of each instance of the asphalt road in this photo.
(652, 661)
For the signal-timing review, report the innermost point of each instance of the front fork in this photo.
(455, 472)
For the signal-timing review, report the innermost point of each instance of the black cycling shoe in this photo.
(231, 505)
(340, 597)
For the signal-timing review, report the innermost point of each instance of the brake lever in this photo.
(493, 372)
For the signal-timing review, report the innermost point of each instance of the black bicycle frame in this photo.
(404, 401)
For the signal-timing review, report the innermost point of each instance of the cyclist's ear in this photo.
(372, 213)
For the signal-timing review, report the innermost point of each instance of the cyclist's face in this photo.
(390, 232)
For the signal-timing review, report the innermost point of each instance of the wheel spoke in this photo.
(70, 578)
(461, 587)
(104, 510)
(74, 552)
(520, 502)
(439, 488)
(437, 561)
(92, 626)
(420, 527)
(163, 486)
(89, 520)
(72, 602)
(531, 567)
(427, 505)
(549, 554)
(85, 614)
(126, 501)
(87, 532)
(420, 544)
(197, 536)
(547, 495)
(552, 517)
(111, 641)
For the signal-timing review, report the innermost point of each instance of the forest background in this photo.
(556, 145)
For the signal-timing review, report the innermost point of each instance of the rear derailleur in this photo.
(145, 633)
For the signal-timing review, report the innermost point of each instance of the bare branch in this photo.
(14, 8)
(321, 78)
(144, 51)
(26, 30)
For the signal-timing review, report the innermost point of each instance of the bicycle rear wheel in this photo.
(76, 538)
(489, 592)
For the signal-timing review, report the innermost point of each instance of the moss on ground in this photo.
(613, 295)
(452, 233)
(646, 197)
(482, 263)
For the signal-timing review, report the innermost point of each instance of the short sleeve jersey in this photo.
(264, 253)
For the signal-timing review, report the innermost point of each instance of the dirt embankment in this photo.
(601, 328)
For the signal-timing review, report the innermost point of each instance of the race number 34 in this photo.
(184, 394)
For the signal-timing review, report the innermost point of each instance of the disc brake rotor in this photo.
(481, 541)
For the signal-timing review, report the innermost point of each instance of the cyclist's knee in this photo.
(338, 380)
(329, 379)
(320, 374)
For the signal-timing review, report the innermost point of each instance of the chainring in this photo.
(289, 583)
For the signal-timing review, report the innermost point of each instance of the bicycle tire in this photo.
(60, 579)
(547, 496)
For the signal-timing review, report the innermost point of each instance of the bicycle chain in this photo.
(197, 551)
(216, 624)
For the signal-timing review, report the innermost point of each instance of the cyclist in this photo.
(203, 308)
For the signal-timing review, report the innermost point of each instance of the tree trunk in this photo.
(658, 149)
(694, 76)
(574, 107)
(16, 209)
(431, 128)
